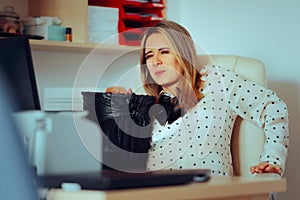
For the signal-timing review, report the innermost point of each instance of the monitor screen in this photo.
(16, 65)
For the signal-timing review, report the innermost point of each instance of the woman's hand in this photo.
(118, 90)
(265, 167)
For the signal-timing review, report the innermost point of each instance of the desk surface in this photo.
(216, 188)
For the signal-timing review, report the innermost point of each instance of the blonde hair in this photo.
(185, 51)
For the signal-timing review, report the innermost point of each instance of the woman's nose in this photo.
(156, 60)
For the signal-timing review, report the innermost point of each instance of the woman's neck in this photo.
(173, 89)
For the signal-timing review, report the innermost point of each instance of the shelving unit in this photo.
(134, 17)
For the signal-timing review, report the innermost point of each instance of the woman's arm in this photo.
(264, 108)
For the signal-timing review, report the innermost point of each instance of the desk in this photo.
(216, 188)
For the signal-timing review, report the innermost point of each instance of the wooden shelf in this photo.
(46, 45)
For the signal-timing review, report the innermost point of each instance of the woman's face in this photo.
(162, 63)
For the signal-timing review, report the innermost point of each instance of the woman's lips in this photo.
(159, 73)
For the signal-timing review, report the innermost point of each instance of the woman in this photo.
(211, 98)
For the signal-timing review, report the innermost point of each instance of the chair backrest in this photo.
(247, 139)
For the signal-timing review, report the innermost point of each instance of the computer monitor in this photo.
(17, 66)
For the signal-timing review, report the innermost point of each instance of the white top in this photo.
(201, 138)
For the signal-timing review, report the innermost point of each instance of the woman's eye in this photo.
(148, 56)
(165, 51)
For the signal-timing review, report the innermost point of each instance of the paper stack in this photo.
(103, 24)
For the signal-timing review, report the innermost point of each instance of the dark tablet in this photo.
(108, 180)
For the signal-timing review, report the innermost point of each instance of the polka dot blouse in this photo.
(201, 138)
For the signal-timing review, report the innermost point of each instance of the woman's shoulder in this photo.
(216, 70)
(206, 69)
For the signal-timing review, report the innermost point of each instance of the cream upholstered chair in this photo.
(247, 139)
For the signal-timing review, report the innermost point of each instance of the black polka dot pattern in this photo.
(201, 138)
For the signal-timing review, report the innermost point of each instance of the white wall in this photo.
(268, 30)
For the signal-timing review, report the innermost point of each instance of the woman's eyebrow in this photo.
(150, 51)
(163, 48)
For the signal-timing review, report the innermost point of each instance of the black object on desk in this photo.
(110, 180)
(126, 121)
